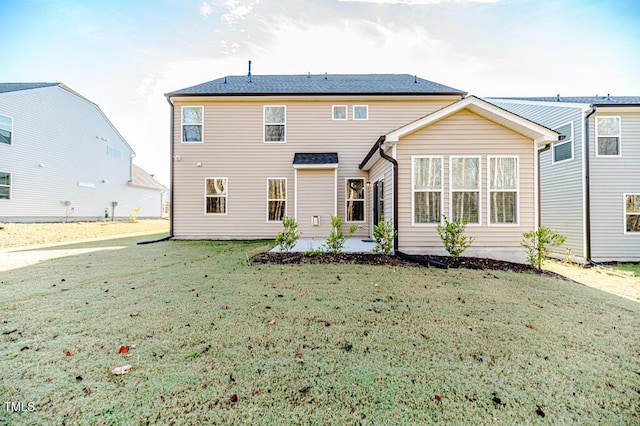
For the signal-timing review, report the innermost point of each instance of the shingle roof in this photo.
(592, 100)
(315, 158)
(328, 84)
(143, 179)
(15, 87)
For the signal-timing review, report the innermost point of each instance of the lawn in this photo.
(215, 341)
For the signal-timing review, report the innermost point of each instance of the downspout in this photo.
(587, 212)
(393, 161)
(171, 160)
(546, 148)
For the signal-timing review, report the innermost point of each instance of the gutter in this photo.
(393, 161)
(171, 131)
(587, 212)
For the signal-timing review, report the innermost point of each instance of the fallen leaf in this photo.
(119, 371)
(123, 350)
(300, 360)
(49, 380)
(529, 326)
(438, 399)
(24, 348)
(134, 314)
(79, 378)
(403, 353)
(67, 353)
(299, 352)
(272, 322)
(234, 398)
(304, 389)
(540, 412)
(425, 335)
(377, 310)
(86, 303)
(63, 280)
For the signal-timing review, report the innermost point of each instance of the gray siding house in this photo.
(61, 159)
(590, 180)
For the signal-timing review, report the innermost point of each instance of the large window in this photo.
(360, 112)
(427, 189)
(608, 136)
(465, 189)
(216, 195)
(6, 129)
(632, 212)
(5, 186)
(503, 190)
(355, 200)
(192, 123)
(276, 199)
(563, 149)
(275, 117)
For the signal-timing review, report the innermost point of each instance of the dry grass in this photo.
(307, 344)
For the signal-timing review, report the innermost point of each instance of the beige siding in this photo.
(465, 133)
(382, 169)
(233, 148)
(316, 197)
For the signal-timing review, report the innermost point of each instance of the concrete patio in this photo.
(351, 245)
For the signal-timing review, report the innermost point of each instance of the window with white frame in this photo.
(216, 195)
(355, 199)
(503, 190)
(192, 123)
(563, 149)
(632, 212)
(6, 129)
(5, 186)
(360, 112)
(465, 189)
(276, 199)
(427, 184)
(339, 112)
(608, 136)
(275, 117)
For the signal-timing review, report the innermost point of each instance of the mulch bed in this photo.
(275, 258)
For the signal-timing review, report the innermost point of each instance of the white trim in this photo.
(265, 124)
(562, 142)
(441, 191)
(10, 186)
(182, 124)
(597, 152)
(478, 190)
(316, 166)
(517, 191)
(86, 184)
(333, 112)
(226, 196)
(625, 214)
(286, 198)
(10, 131)
(353, 112)
(585, 150)
(364, 200)
(295, 195)
(536, 186)
(335, 192)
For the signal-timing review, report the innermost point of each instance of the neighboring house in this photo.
(590, 180)
(62, 159)
(249, 150)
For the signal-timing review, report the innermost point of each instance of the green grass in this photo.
(377, 344)
(633, 268)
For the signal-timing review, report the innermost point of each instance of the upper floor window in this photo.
(276, 199)
(360, 112)
(192, 123)
(503, 190)
(339, 112)
(113, 151)
(216, 195)
(563, 149)
(608, 136)
(355, 200)
(427, 184)
(5, 186)
(6, 129)
(465, 189)
(632, 212)
(275, 117)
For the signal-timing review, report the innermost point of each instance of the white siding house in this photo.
(62, 159)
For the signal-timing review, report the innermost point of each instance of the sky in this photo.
(124, 55)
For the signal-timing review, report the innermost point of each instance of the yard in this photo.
(213, 340)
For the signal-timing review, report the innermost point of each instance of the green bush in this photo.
(453, 238)
(335, 242)
(383, 234)
(538, 242)
(289, 236)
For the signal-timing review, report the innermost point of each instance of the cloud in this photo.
(206, 9)
(237, 11)
(421, 2)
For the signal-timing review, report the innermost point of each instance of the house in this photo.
(61, 159)
(589, 180)
(249, 150)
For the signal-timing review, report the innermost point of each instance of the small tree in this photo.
(453, 238)
(538, 242)
(335, 242)
(383, 234)
(289, 236)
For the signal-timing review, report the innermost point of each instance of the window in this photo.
(355, 200)
(276, 199)
(427, 189)
(192, 119)
(378, 200)
(216, 195)
(360, 112)
(274, 123)
(631, 211)
(563, 149)
(503, 190)
(465, 189)
(113, 151)
(5, 186)
(339, 112)
(608, 136)
(6, 129)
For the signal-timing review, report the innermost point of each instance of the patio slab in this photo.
(351, 245)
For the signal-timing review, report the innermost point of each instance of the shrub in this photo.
(383, 234)
(538, 242)
(335, 242)
(289, 236)
(453, 238)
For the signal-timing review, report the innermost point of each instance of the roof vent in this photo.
(415, 78)
(608, 96)
(558, 97)
(325, 76)
(309, 74)
(249, 74)
(225, 79)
